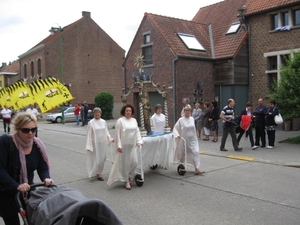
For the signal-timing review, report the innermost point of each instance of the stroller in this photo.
(59, 205)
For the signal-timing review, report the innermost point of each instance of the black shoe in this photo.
(238, 149)
(223, 150)
(100, 178)
(263, 146)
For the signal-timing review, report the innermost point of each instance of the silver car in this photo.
(68, 115)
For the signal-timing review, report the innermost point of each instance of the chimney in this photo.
(86, 14)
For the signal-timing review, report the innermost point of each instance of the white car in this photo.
(69, 116)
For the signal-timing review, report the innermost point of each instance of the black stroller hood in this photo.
(59, 205)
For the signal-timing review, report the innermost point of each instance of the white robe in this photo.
(158, 122)
(185, 127)
(97, 144)
(128, 138)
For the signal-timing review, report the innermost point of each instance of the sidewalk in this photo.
(284, 154)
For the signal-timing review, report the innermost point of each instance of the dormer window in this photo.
(191, 42)
(233, 28)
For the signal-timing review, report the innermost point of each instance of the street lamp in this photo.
(52, 31)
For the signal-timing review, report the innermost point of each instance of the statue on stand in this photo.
(146, 110)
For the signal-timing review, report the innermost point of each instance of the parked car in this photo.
(69, 116)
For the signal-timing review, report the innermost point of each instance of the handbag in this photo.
(278, 119)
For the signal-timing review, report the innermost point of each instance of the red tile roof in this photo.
(255, 6)
(169, 28)
(221, 15)
(12, 68)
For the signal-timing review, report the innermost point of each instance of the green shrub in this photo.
(105, 101)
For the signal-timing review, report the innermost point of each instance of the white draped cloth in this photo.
(97, 144)
(185, 127)
(128, 138)
(158, 122)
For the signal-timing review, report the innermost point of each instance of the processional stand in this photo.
(143, 80)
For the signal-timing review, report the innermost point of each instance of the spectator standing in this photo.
(197, 115)
(77, 112)
(246, 118)
(205, 121)
(227, 115)
(213, 120)
(185, 103)
(6, 117)
(33, 111)
(260, 133)
(82, 114)
(271, 126)
(86, 110)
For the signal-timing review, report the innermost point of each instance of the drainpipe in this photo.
(174, 89)
(249, 60)
(211, 42)
(124, 77)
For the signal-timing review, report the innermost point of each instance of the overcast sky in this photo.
(24, 23)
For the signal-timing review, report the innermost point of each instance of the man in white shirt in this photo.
(6, 116)
(33, 111)
(185, 103)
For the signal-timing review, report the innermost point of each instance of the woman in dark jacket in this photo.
(21, 155)
(213, 119)
(270, 124)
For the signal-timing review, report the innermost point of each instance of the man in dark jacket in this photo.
(260, 133)
(86, 110)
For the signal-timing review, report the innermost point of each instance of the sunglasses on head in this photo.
(27, 130)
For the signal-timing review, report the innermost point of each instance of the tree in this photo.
(286, 92)
(105, 101)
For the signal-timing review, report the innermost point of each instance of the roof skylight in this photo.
(191, 42)
(233, 28)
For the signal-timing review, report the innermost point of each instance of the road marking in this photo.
(241, 157)
(201, 151)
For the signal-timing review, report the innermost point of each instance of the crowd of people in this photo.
(29, 153)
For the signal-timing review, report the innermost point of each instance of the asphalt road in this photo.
(231, 191)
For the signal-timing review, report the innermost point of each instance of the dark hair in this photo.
(206, 103)
(272, 101)
(249, 104)
(214, 103)
(124, 108)
(158, 106)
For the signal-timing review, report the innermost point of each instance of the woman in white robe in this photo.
(128, 139)
(158, 120)
(97, 143)
(185, 128)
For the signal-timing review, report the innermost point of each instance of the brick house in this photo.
(91, 61)
(274, 34)
(202, 60)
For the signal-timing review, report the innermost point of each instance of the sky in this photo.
(24, 23)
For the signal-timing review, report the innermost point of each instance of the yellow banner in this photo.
(49, 93)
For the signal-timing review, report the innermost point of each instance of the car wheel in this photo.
(58, 120)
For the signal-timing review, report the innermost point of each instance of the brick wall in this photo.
(264, 40)
(92, 61)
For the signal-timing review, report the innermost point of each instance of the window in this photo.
(233, 28)
(274, 21)
(283, 59)
(39, 67)
(285, 18)
(272, 79)
(272, 62)
(146, 38)
(147, 53)
(32, 69)
(191, 42)
(25, 71)
(296, 17)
